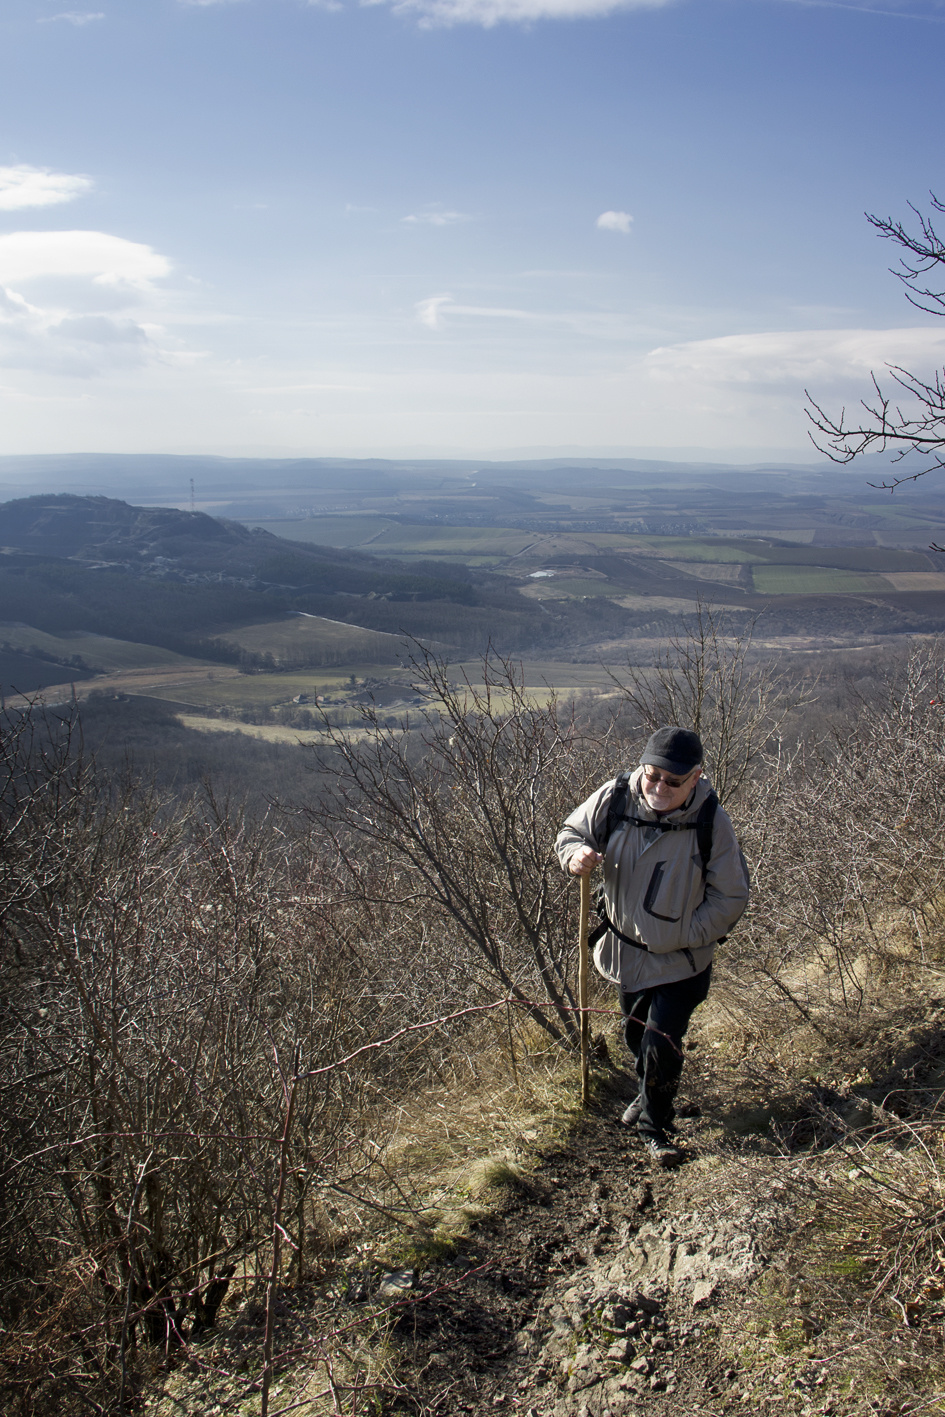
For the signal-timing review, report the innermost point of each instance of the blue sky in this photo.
(455, 226)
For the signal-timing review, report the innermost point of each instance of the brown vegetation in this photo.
(213, 1030)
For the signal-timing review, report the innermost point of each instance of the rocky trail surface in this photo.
(591, 1283)
(593, 1289)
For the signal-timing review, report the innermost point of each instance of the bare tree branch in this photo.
(885, 424)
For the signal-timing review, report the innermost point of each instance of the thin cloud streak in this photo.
(430, 312)
(311, 388)
(435, 218)
(868, 10)
(73, 17)
(489, 13)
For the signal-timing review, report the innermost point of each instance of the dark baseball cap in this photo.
(675, 750)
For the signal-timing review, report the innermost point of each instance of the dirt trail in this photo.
(592, 1290)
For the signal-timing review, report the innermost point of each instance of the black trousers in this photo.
(655, 1023)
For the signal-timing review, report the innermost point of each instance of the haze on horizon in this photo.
(456, 227)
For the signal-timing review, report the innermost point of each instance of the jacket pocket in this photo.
(652, 892)
(664, 894)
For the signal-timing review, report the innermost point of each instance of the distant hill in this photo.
(194, 548)
(106, 529)
(182, 579)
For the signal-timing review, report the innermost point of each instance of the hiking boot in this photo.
(662, 1151)
(633, 1112)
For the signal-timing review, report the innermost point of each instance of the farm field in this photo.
(688, 548)
(341, 531)
(187, 684)
(815, 580)
(512, 550)
(253, 691)
(219, 688)
(726, 571)
(98, 652)
(306, 639)
(566, 587)
(658, 604)
(916, 580)
(265, 732)
(752, 551)
(473, 545)
(850, 558)
(730, 568)
(541, 674)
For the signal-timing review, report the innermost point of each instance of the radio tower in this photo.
(193, 504)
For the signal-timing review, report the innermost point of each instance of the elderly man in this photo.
(675, 882)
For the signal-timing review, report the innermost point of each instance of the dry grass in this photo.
(315, 641)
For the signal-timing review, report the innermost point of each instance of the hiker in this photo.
(675, 882)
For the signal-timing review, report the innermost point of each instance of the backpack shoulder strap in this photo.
(617, 808)
(617, 813)
(704, 823)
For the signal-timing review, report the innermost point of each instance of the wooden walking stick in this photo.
(582, 990)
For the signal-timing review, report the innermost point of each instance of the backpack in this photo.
(617, 814)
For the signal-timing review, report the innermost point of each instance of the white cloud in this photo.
(105, 259)
(87, 308)
(615, 221)
(494, 12)
(428, 311)
(66, 344)
(25, 186)
(434, 218)
(794, 358)
(74, 17)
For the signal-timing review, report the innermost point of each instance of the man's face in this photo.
(664, 791)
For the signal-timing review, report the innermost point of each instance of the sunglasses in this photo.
(653, 777)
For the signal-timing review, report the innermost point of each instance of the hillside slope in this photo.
(178, 578)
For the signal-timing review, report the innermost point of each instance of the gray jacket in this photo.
(654, 888)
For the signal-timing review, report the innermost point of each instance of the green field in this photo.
(328, 531)
(689, 548)
(469, 543)
(262, 690)
(846, 558)
(751, 551)
(815, 580)
(383, 537)
(509, 549)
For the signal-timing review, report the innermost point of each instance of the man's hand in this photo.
(584, 860)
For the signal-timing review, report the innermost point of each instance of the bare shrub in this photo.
(452, 826)
(847, 845)
(173, 1046)
(707, 679)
